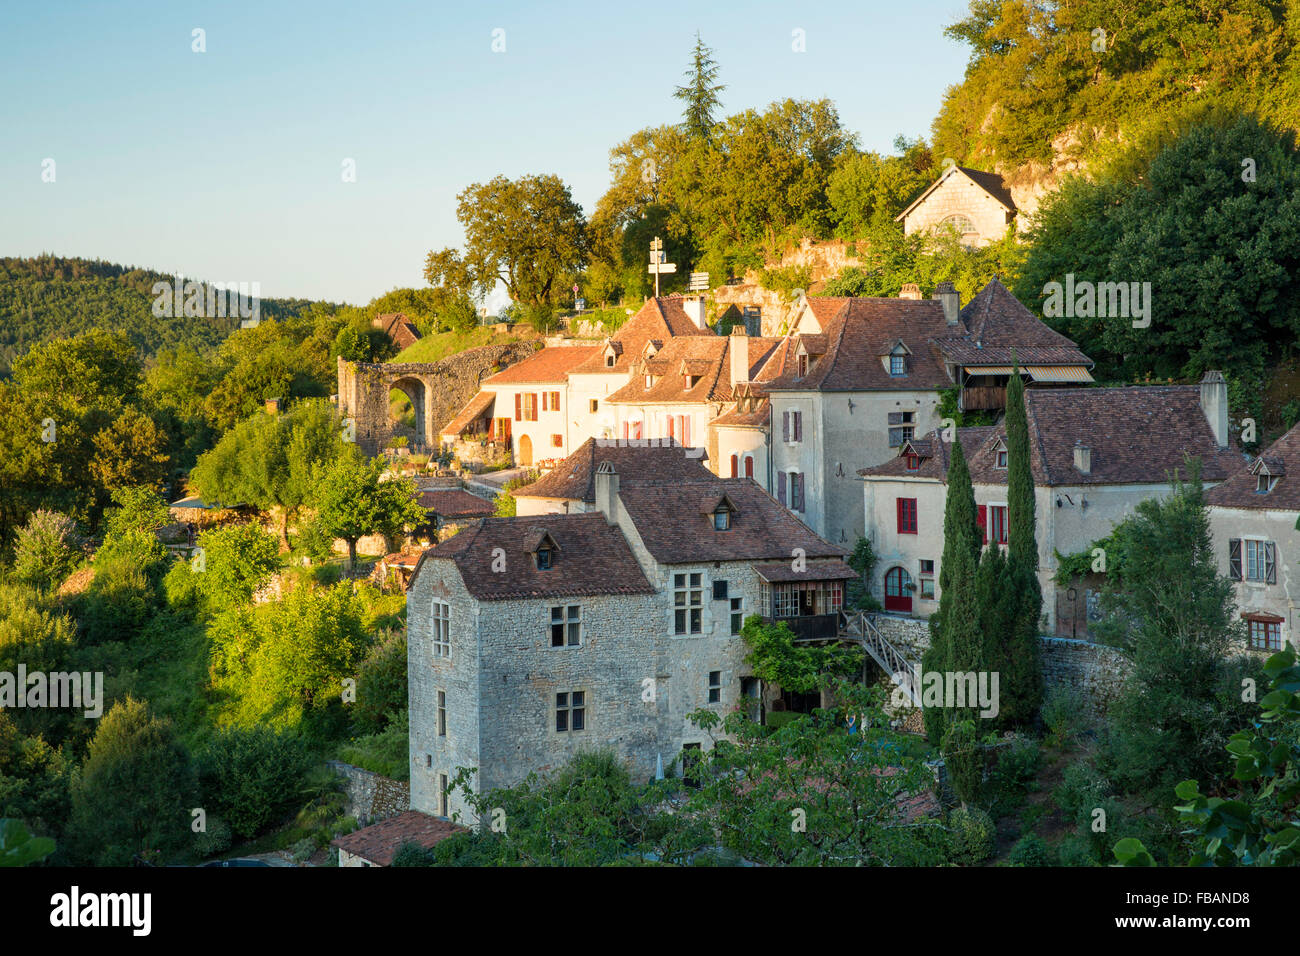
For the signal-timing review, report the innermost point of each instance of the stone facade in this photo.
(959, 199)
(1096, 671)
(372, 796)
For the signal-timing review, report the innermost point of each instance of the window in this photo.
(566, 626)
(1259, 563)
(1264, 484)
(592, 405)
(719, 590)
(814, 597)
(442, 794)
(609, 362)
(692, 757)
(927, 588)
(735, 466)
(912, 463)
(442, 713)
(543, 559)
(737, 615)
(715, 687)
(897, 365)
(902, 428)
(795, 481)
(557, 441)
(555, 401)
(1265, 634)
(792, 427)
(441, 629)
(649, 381)
(688, 603)
(907, 516)
(525, 407)
(803, 365)
(1002, 460)
(998, 523)
(722, 518)
(570, 711)
(749, 466)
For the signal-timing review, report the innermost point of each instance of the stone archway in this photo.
(417, 393)
(525, 452)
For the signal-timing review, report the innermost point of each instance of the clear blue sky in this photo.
(226, 165)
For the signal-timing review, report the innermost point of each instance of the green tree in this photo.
(47, 550)
(27, 468)
(701, 93)
(131, 451)
(352, 501)
(237, 561)
(775, 658)
(529, 234)
(135, 791)
(251, 776)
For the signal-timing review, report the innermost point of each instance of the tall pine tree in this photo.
(1017, 655)
(700, 94)
(955, 637)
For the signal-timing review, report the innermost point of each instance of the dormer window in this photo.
(722, 519)
(691, 381)
(649, 381)
(897, 365)
(1002, 459)
(912, 462)
(803, 365)
(544, 558)
(609, 361)
(1264, 483)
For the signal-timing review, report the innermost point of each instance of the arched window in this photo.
(962, 224)
(749, 466)
(735, 465)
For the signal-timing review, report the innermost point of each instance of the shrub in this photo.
(972, 834)
(1030, 851)
(381, 684)
(250, 776)
(964, 759)
(47, 549)
(182, 588)
(1017, 766)
(215, 839)
(1077, 851)
(1063, 714)
(412, 854)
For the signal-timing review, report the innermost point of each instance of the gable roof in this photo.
(1109, 421)
(455, 503)
(658, 320)
(1281, 459)
(592, 558)
(707, 358)
(398, 328)
(635, 460)
(996, 323)
(672, 518)
(473, 410)
(549, 366)
(379, 842)
(991, 183)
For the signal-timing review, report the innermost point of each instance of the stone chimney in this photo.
(910, 290)
(1082, 458)
(947, 295)
(1214, 403)
(607, 491)
(738, 351)
(693, 305)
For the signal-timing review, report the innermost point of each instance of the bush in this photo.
(313, 543)
(215, 839)
(964, 759)
(1030, 851)
(182, 588)
(972, 834)
(381, 683)
(1077, 851)
(387, 752)
(412, 854)
(1017, 767)
(1063, 714)
(250, 776)
(47, 549)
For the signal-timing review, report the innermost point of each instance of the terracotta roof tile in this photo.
(657, 320)
(1282, 458)
(472, 411)
(634, 459)
(550, 365)
(455, 503)
(380, 841)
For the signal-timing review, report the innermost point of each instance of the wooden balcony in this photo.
(812, 627)
(981, 397)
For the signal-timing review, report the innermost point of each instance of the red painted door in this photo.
(897, 595)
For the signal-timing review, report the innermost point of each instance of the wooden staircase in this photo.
(858, 627)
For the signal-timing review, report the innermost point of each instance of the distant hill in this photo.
(50, 297)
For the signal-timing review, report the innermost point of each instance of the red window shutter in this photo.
(898, 512)
(780, 486)
(785, 426)
(686, 431)
(735, 469)
(982, 521)
(519, 405)
(671, 431)
(749, 467)
(625, 431)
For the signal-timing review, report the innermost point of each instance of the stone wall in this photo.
(372, 796)
(1096, 671)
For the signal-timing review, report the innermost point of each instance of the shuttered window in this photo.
(780, 486)
(981, 520)
(906, 515)
(1234, 559)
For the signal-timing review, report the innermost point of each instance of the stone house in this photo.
(1094, 455)
(377, 844)
(534, 637)
(1253, 518)
(398, 328)
(977, 204)
(865, 375)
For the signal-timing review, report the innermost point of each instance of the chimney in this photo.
(910, 290)
(947, 295)
(607, 491)
(1082, 458)
(693, 305)
(738, 350)
(1214, 403)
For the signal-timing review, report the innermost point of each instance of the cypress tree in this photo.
(955, 635)
(1019, 663)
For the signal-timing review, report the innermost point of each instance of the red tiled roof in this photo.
(634, 460)
(472, 411)
(379, 842)
(1137, 435)
(1282, 458)
(549, 366)
(593, 558)
(657, 320)
(398, 328)
(707, 358)
(455, 503)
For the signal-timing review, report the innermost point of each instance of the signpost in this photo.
(699, 282)
(657, 263)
